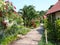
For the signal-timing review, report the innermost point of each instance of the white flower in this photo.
(6, 21)
(4, 3)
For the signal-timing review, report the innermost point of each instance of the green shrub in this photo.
(53, 28)
(54, 31)
(50, 26)
(37, 23)
(9, 35)
(23, 30)
(7, 40)
(43, 42)
(58, 29)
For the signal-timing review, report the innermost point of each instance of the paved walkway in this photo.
(32, 38)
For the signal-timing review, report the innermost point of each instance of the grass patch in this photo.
(37, 23)
(10, 34)
(23, 30)
(43, 42)
(7, 40)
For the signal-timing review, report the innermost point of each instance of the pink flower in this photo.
(6, 1)
(44, 16)
(14, 7)
(4, 23)
(11, 4)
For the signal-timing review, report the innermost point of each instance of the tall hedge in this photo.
(51, 29)
(58, 29)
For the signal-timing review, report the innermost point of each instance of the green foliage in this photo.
(37, 22)
(7, 40)
(19, 20)
(1, 5)
(41, 14)
(23, 30)
(54, 33)
(43, 42)
(58, 29)
(11, 30)
(45, 23)
(28, 13)
(9, 34)
(1, 19)
(53, 30)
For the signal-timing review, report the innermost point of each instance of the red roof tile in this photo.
(55, 8)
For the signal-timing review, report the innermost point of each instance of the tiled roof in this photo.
(55, 8)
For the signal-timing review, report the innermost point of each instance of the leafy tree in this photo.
(28, 13)
(41, 14)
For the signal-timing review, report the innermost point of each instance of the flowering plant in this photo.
(7, 11)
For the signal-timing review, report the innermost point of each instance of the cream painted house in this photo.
(54, 12)
(57, 15)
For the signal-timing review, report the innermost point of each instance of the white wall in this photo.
(57, 15)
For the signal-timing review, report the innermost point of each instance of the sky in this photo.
(39, 4)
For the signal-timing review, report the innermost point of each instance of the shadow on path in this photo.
(41, 30)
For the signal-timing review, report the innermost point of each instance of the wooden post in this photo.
(46, 36)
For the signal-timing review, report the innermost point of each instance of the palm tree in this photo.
(42, 13)
(28, 13)
(23, 12)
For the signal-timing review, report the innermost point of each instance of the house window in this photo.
(58, 18)
(53, 18)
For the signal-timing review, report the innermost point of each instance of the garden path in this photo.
(32, 38)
